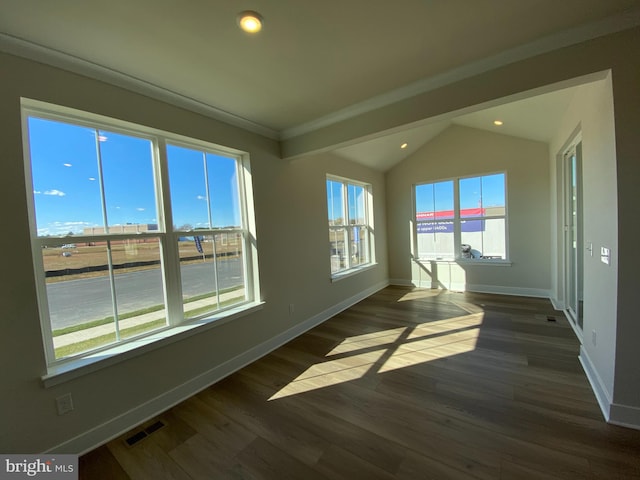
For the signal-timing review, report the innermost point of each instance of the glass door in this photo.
(574, 234)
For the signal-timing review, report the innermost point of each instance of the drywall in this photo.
(463, 151)
(591, 114)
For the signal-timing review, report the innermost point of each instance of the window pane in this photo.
(129, 189)
(435, 240)
(471, 197)
(64, 169)
(230, 264)
(79, 297)
(211, 282)
(335, 203)
(359, 241)
(337, 244)
(493, 193)
(425, 206)
(82, 314)
(443, 195)
(188, 188)
(480, 196)
(138, 285)
(434, 201)
(356, 198)
(223, 191)
(486, 238)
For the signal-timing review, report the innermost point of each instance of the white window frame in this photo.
(347, 227)
(166, 233)
(457, 225)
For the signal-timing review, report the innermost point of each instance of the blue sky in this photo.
(66, 182)
(335, 201)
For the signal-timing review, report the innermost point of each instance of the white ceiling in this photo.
(535, 118)
(313, 62)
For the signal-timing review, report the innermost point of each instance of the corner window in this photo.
(134, 231)
(350, 228)
(463, 218)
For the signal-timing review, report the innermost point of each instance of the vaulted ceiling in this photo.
(313, 63)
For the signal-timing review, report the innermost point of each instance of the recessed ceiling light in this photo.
(404, 145)
(497, 122)
(250, 21)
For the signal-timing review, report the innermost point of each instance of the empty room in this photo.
(321, 239)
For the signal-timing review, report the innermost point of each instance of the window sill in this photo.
(470, 261)
(351, 272)
(78, 367)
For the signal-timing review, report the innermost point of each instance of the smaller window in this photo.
(462, 218)
(350, 229)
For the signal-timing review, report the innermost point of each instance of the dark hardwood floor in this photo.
(407, 384)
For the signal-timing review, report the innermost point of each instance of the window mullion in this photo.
(101, 181)
(457, 229)
(172, 282)
(112, 283)
(103, 200)
(43, 301)
(345, 215)
(249, 258)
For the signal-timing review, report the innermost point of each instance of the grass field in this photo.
(69, 261)
(83, 256)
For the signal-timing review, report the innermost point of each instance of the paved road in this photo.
(79, 301)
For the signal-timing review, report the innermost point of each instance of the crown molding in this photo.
(613, 24)
(39, 53)
(55, 58)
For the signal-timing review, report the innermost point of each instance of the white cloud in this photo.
(36, 192)
(92, 178)
(201, 197)
(140, 209)
(54, 192)
(67, 164)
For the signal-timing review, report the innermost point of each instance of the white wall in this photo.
(291, 217)
(591, 113)
(464, 151)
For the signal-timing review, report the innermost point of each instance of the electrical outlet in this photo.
(64, 403)
(593, 337)
(291, 308)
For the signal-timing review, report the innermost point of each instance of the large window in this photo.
(350, 229)
(134, 231)
(463, 218)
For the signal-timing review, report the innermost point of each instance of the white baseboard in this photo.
(557, 304)
(468, 287)
(597, 385)
(625, 416)
(401, 282)
(504, 290)
(117, 426)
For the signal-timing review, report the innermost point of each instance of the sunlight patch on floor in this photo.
(427, 351)
(388, 350)
(368, 340)
(421, 293)
(332, 372)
